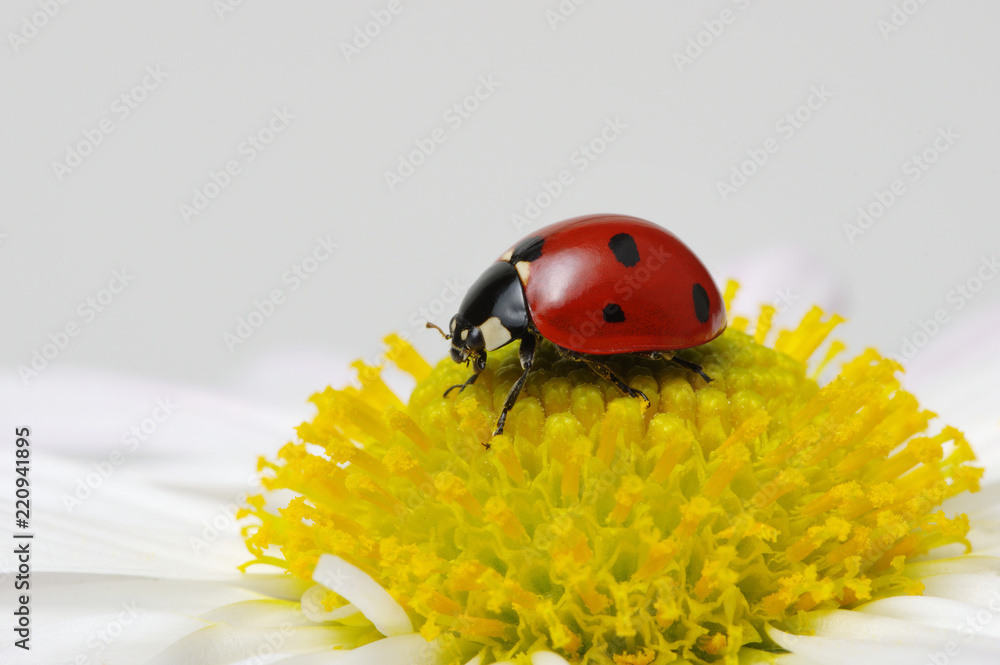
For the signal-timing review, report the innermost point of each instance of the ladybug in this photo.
(594, 286)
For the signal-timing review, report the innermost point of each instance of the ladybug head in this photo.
(492, 314)
(466, 339)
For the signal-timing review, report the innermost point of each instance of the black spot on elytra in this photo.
(624, 248)
(528, 250)
(701, 305)
(613, 313)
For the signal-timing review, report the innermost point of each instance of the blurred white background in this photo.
(120, 121)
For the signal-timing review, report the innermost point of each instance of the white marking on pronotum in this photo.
(494, 334)
(523, 269)
(507, 255)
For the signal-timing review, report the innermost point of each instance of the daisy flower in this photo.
(763, 517)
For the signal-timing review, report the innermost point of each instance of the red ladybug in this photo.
(595, 285)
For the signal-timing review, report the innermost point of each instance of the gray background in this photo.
(559, 82)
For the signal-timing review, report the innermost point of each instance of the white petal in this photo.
(282, 586)
(85, 409)
(547, 658)
(364, 593)
(75, 543)
(956, 377)
(982, 505)
(757, 657)
(846, 624)
(932, 611)
(83, 613)
(878, 651)
(312, 606)
(984, 535)
(963, 351)
(409, 649)
(259, 614)
(978, 589)
(972, 563)
(105, 505)
(114, 638)
(66, 596)
(221, 644)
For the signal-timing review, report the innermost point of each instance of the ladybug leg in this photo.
(605, 372)
(478, 365)
(653, 355)
(527, 356)
(694, 367)
(669, 355)
(462, 386)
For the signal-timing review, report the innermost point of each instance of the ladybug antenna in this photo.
(443, 334)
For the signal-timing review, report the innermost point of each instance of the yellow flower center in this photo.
(614, 534)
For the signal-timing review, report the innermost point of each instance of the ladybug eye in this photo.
(475, 339)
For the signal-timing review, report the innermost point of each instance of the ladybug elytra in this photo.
(594, 286)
